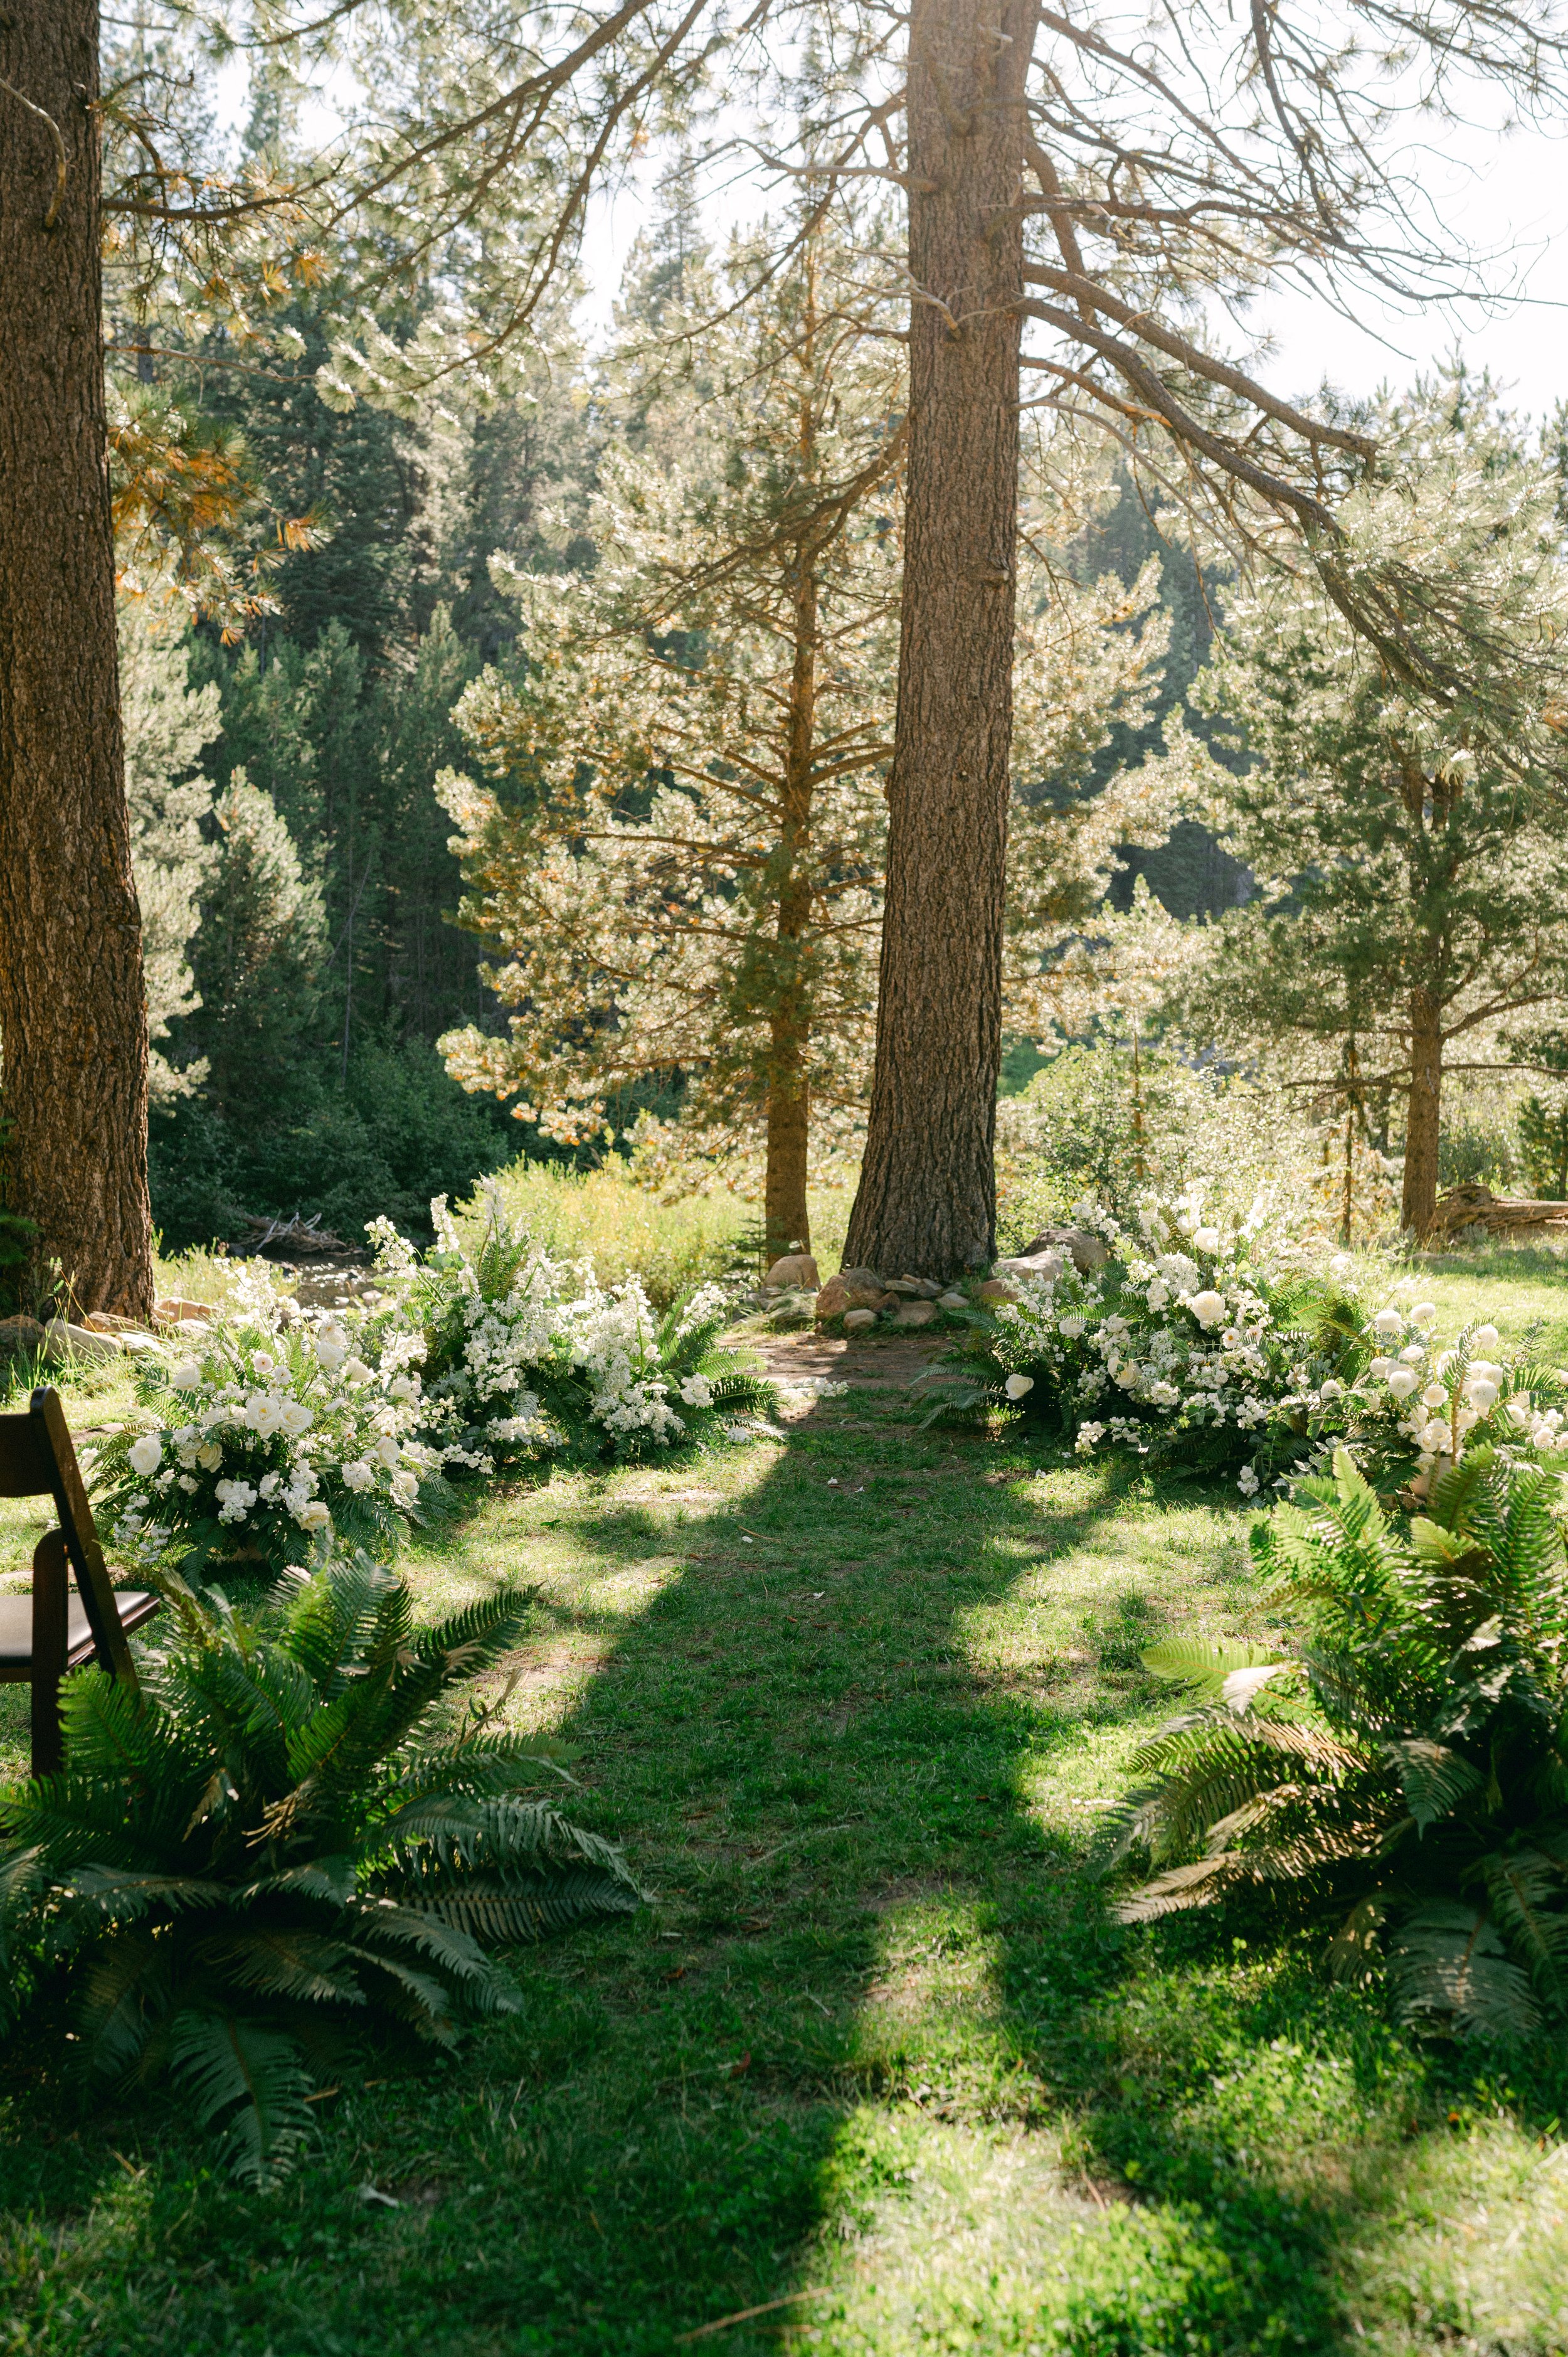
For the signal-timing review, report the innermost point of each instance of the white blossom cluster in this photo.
(1180, 1326)
(1441, 1400)
(550, 1347)
(267, 1424)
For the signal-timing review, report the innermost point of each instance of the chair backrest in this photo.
(38, 1459)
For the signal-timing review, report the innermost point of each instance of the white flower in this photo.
(1016, 1385)
(1072, 1326)
(1163, 1394)
(697, 1391)
(1207, 1238)
(1482, 1394)
(145, 1454)
(1088, 1436)
(331, 1348)
(269, 1485)
(357, 1474)
(1248, 1482)
(1423, 1313)
(1207, 1307)
(1159, 1293)
(1463, 1418)
(1433, 1434)
(186, 1374)
(402, 1388)
(1402, 1382)
(1388, 1321)
(296, 1419)
(1446, 1363)
(1332, 1390)
(355, 1371)
(1484, 1338)
(1414, 1357)
(405, 1488)
(235, 1500)
(264, 1414)
(1435, 1396)
(1380, 1367)
(1520, 1412)
(311, 1515)
(209, 1457)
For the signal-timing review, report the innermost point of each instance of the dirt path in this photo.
(887, 1362)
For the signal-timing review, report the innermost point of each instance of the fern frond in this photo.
(246, 2080)
(1448, 1958)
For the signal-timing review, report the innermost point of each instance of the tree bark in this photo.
(73, 1011)
(1424, 1119)
(927, 1203)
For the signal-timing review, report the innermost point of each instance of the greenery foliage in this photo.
(286, 1841)
(1408, 1765)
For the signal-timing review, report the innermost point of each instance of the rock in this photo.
(1041, 1264)
(916, 1313)
(174, 1312)
(853, 1288)
(856, 1321)
(952, 1301)
(63, 1342)
(995, 1289)
(20, 1338)
(1086, 1250)
(914, 1288)
(795, 1268)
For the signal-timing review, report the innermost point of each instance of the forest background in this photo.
(300, 895)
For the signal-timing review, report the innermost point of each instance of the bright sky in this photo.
(1507, 194)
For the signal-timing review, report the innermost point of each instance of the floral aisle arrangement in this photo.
(526, 1355)
(1204, 1342)
(1212, 1345)
(274, 1430)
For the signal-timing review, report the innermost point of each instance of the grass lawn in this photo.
(873, 2063)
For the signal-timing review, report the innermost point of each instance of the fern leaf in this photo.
(246, 2080)
(1434, 1779)
(1448, 1960)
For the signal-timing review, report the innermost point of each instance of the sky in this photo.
(1506, 192)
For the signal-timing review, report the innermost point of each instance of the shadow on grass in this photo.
(873, 1977)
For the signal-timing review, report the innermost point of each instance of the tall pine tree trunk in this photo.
(1423, 1119)
(72, 1014)
(926, 1204)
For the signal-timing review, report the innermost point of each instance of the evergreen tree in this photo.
(168, 726)
(682, 859)
(1413, 913)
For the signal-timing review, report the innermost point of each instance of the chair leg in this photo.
(50, 1597)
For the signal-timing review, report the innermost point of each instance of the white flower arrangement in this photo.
(1204, 1342)
(271, 1433)
(528, 1355)
(1431, 1403)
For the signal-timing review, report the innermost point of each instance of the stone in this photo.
(795, 1268)
(995, 1289)
(917, 1313)
(856, 1321)
(914, 1288)
(63, 1342)
(1086, 1250)
(952, 1300)
(20, 1338)
(853, 1288)
(1043, 1263)
(174, 1312)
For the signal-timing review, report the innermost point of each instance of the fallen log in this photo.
(1465, 1209)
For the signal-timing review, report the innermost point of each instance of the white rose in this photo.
(209, 1457)
(1482, 1394)
(144, 1455)
(1486, 1337)
(1208, 1307)
(401, 1388)
(296, 1418)
(1016, 1385)
(1521, 1414)
(1435, 1396)
(331, 1353)
(1434, 1436)
(355, 1371)
(1388, 1321)
(312, 1515)
(357, 1474)
(1425, 1313)
(1382, 1367)
(186, 1374)
(1402, 1382)
(1207, 1238)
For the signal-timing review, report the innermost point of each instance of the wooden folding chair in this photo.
(58, 1628)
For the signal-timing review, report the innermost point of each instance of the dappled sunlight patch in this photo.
(1470, 2239)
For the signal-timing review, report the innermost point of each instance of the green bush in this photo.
(1409, 1764)
(621, 1228)
(282, 1842)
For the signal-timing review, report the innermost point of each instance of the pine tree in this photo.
(168, 726)
(1411, 844)
(681, 856)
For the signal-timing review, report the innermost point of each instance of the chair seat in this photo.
(17, 1627)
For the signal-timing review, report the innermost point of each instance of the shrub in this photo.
(271, 1432)
(524, 1357)
(1409, 1764)
(277, 1845)
(622, 1230)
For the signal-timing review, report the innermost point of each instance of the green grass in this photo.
(874, 2061)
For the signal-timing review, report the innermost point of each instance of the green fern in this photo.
(1408, 1767)
(283, 1838)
